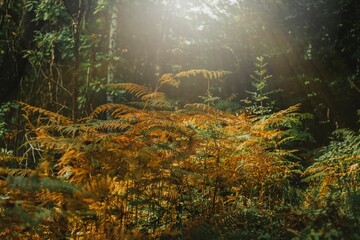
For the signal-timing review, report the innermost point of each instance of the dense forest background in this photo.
(179, 119)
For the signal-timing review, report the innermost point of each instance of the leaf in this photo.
(136, 89)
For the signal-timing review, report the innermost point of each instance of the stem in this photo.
(76, 32)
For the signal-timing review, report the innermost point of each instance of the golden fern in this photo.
(154, 96)
(203, 72)
(152, 104)
(168, 79)
(50, 115)
(112, 126)
(204, 108)
(132, 167)
(136, 89)
(6, 158)
(50, 143)
(115, 109)
(67, 130)
(17, 171)
(151, 98)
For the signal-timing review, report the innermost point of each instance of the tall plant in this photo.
(259, 101)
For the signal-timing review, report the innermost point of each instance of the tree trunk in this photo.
(76, 31)
(112, 45)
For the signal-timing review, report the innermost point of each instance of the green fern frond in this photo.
(36, 184)
(285, 140)
(279, 117)
(337, 163)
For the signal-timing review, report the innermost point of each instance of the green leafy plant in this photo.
(333, 197)
(259, 101)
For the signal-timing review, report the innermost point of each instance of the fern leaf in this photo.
(136, 89)
(153, 104)
(203, 72)
(112, 126)
(117, 109)
(6, 158)
(154, 96)
(49, 114)
(16, 171)
(204, 108)
(168, 79)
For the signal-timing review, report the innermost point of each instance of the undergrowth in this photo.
(144, 170)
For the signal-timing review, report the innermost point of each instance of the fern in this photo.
(155, 169)
(50, 115)
(259, 98)
(7, 159)
(34, 184)
(168, 79)
(136, 89)
(203, 72)
(154, 96)
(338, 162)
(113, 108)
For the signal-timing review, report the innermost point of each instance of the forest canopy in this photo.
(179, 119)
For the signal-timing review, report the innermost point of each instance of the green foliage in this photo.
(259, 99)
(244, 223)
(48, 10)
(337, 164)
(4, 108)
(334, 185)
(6, 121)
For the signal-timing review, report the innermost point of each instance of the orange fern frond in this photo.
(117, 109)
(136, 89)
(112, 126)
(135, 116)
(17, 171)
(154, 96)
(5, 158)
(51, 115)
(201, 120)
(168, 79)
(204, 108)
(58, 144)
(152, 103)
(67, 130)
(205, 73)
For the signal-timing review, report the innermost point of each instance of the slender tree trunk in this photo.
(112, 45)
(76, 74)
